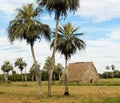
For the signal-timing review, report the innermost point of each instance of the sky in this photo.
(99, 20)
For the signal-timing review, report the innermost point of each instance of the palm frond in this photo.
(60, 7)
(69, 40)
(25, 26)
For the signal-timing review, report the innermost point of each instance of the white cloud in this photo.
(46, 17)
(104, 52)
(101, 52)
(115, 35)
(95, 9)
(21, 49)
(99, 10)
(2, 32)
(9, 6)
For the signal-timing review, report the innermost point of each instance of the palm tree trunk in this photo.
(25, 76)
(59, 76)
(6, 77)
(106, 74)
(54, 77)
(33, 77)
(52, 64)
(33, 54)
(38, 76)
(112, 74)
(66, 79)
(50, 73)
(37, 70)
(22, 76)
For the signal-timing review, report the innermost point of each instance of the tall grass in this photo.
(17, 92)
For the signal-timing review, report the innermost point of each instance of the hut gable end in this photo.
(82, 72)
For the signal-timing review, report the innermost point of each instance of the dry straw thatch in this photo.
(82, 72)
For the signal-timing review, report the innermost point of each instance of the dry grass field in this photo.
(103, 92)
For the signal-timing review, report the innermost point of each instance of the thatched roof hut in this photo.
(82, 72)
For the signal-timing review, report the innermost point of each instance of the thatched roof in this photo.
(82, 72)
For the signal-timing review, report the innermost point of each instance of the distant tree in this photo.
(109, 74)
(20, 64)
(113, 68)
(68, 43)
(116, 73)
(107, 68)
(46, 66)
(58, 70)
(13, 72)
(44, 75)
(32, 72)
(6, 67)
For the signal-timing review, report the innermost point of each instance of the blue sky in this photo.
(98, 20)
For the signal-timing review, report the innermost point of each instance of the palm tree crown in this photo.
(20, 63)
(26, 26)
(7, 66)
(68, 40)
(113, 67)
(59, 7)
(107, 67)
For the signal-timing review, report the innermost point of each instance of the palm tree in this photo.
(6, 67)
(20, 64)
(113, 68)
(107, 68)
(26, 26)
(67, 44)
(60, 8)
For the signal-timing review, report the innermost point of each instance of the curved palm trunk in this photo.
(52, 64)
(37, 70)
(66, 79)
(33, 77)
(59, 76)
(6, 77)
(33, 54)
(50, 73)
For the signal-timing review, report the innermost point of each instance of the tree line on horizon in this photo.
(66, 38)
(30, 76)
(111, 74)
